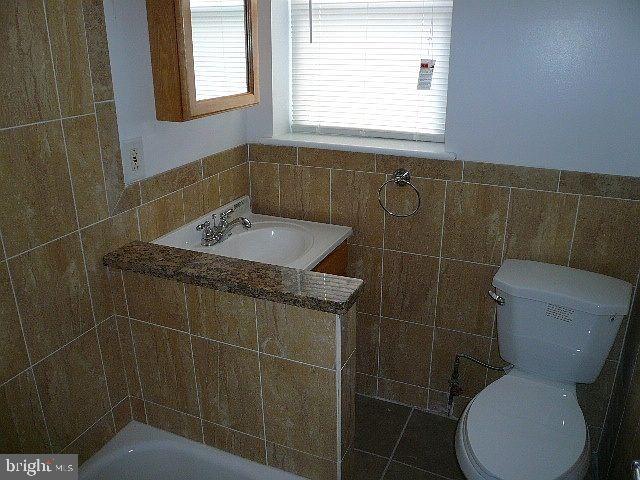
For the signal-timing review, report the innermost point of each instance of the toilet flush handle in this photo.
(496, 298)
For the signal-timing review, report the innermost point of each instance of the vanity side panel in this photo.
(165, 62)
(336, 262)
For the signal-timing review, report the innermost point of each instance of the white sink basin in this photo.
(274, 240)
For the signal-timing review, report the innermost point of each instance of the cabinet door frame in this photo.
(180, 104)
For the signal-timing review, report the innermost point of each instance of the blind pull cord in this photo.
(310, 21)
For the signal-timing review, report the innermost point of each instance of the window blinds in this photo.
(359, 74)
(219, 47)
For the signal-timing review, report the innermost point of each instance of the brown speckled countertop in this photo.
(317, 291)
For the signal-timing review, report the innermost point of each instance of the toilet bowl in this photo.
(523, 427)
(556, 326)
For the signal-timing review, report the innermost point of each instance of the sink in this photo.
(274, 240)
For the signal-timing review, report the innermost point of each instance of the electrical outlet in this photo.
(134, 158)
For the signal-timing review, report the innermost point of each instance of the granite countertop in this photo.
(302, 288)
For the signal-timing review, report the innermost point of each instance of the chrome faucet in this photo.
(217, 233)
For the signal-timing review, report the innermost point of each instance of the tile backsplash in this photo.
(427, 275)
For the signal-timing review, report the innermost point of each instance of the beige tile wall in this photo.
(269, 382)
(427, 276)
(64, 205)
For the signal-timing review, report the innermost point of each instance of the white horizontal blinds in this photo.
(359, 75)
(219, 47)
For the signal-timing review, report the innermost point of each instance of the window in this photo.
(355, 64)
(219, 47)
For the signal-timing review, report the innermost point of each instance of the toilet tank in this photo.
(556, 321)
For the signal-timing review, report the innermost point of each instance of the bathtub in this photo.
(141, 452)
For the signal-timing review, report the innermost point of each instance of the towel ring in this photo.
(401, 177)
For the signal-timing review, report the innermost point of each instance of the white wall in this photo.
(272, 115)
(551, 83)
(166, 144)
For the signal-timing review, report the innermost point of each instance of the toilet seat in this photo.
(523, 427)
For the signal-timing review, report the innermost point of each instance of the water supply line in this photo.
(455, 387)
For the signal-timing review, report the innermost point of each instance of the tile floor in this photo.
(396, 442)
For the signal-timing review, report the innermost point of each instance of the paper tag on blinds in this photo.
(426, 73)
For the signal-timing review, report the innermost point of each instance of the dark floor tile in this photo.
(398, 471)
(365, 466)
(378, 425)
(428, 443)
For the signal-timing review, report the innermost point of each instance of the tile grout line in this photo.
(66, 344)
(434, 257)
(53, 63)
(26, 347)
(573, 233)
(429, 411)
(32, 124)
(48, 242)
(95, 112)
(506, 225)
(133, 345)
(384, 234)
(502, 259)
(264, 423)
(426, 325)
(422, 470)
(193, 362)
(137, 213)
(110, 411)
(232, 345)
(330, 196)
(104, 175)
(433, 332)
(395, 447)
(124, 368)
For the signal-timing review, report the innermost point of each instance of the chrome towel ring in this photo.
(401, 177)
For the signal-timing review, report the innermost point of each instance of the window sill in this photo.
(383, 146)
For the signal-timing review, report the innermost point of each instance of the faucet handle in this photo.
(224, 215)
(202, 226)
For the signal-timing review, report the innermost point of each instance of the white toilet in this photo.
(556, 326)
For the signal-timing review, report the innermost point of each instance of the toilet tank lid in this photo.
(569, 287)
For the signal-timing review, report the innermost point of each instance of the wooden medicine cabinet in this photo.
(204, 56)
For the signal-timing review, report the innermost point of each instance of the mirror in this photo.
(204, 55)
(218, 36)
